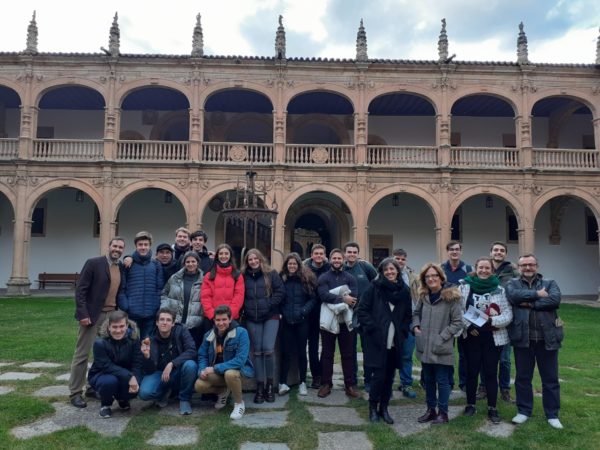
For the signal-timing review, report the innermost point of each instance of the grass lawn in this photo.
(40, 329)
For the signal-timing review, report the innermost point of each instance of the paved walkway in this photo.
(337, 409)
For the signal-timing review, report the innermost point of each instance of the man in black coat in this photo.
(95, 296)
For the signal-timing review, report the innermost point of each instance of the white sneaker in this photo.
(520, 418)
(238, 411)
(555, 423)
(302, 389)
(283, 389)
(222, 399)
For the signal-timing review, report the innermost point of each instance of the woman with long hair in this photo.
(223, 285)
(264, 292)
(300, 298)
(482, 344)
(384, 314)
(437, 318)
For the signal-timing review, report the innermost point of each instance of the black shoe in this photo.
(316, 383)
(440, 419)
(373, 415)
(78, 402)
(493, 415)
(90, 392)
(383, 413)
(259, 397)
(269, 394)
(469, 411)
(124, 405)
(105, 412)
(429, 415)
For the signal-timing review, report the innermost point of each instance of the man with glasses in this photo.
(536, 334)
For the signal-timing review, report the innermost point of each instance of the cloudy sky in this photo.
(558, 31)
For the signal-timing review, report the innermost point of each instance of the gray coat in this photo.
(439, 323)
(172, 297)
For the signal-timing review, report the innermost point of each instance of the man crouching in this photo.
(169, 363)
(223, 358)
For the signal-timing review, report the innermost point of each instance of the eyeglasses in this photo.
(528, 265)
(428, 277)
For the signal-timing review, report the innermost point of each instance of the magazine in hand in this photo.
(476, 317)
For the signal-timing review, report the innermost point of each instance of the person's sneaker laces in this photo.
(222, 399)
(283, 389)
(302, 390)
(238, 411)
(105, 412)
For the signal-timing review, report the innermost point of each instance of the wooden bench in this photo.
(45, 278)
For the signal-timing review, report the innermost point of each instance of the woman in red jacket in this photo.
(223, 285)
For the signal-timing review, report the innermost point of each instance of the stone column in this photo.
(111, 130)
(279, 135)
(19, 283)
(524, 141)
(361, 133)
(443, 139)
(29, 115)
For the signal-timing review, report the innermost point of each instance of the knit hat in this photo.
(164, 246)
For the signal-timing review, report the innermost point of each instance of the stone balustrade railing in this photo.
(9, 148)
(237, 152)
(565, 159)
(389, 155)
(484, 157)
(176, 151)
(67, 149)
(307, 154)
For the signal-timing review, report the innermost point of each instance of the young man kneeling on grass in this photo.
(117, 363)
(223, 358)
(169, 362)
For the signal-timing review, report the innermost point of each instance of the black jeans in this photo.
(382, 379)
(480, 351)
(313, 341)
(293, 343)
(547, 362)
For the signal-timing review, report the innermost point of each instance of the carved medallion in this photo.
(319, 155)
(237, 153)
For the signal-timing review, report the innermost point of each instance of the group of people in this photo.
(189, 320)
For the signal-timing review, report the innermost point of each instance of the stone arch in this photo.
(17, 88)
(131, 135)
(336, 125)
(375, 139)
(132, 188)
(414, 90)
(512, 201)
(513, 101)
(137, 85)
(418, 192)
(571, 94)
(245, 86)
(34, 197)
(320, 186)
(78, 82)
(9, 194)
(313, 87)
(590, 200)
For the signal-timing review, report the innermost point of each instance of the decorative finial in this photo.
(522, 53)
(361, 44)
(114, 40)
(598, 49)
(280, 40)
(198, 40)
(32, 37)
(443, 43)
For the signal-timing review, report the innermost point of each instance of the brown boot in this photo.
(441, 418)
(324, 391)
(429, 415)
(351, 391)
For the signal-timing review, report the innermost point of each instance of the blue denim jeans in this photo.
(181, 380)
(109, 388)
(405, 371)
(437, 388)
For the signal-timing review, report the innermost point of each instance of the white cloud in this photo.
(575, 46)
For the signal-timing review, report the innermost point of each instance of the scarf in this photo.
(481, 286)
(392, 290)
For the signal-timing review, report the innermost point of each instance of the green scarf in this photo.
(480, 286)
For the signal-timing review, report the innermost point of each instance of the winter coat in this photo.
(173, 298)
(225, 289)
(543, 310)
(258, 307)
(439, 322)
(364, 272)
(236, 351)
(183, 349)
(297, 303)
(92, 288)
(141, 285)
(454, 276)
(332, 279)
(122, 358)
(506, 272)
(375, 316)
(332, 314)
(499, 322)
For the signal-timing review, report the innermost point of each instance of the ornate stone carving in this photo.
(443, 43)
(22, 180)
(238, 153)
(107, 180)
(361, 44)
(443, 186)
(114, 39)
(371, 187)
(522, 53)
(264, 185)
(596, 191)
(205, 184)
(197, 40)
(187, 182)
(349, 187)
(280, 41)
(32, 37)
(532, 187)
(319, 155)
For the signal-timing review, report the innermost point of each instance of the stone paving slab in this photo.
(6, 389)
(501, 430)
(343, 440)
(336, 415)
(52, 391)
(457, 394)
(5, 363)
(336, 398)
(41, 365)
(174, 436)
(199, 408)
(12, 376)
(280, 402)
(63, 377)
(263, 419)
(405, 418)
(397, 395)
(66, 416)
(263, 446)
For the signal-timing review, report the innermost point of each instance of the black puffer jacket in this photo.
(258, 307)
(297, 303)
